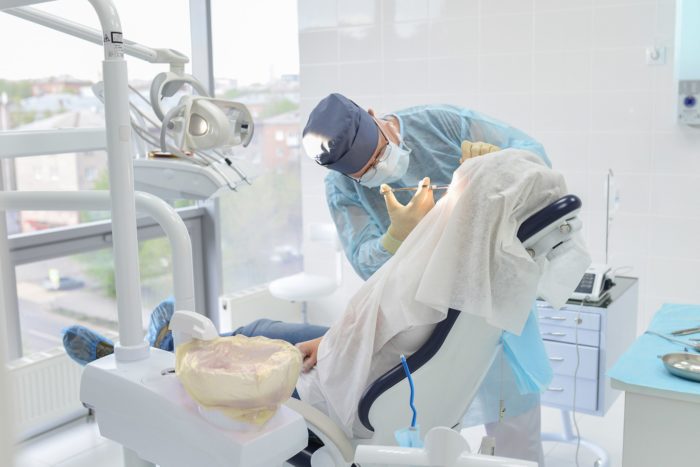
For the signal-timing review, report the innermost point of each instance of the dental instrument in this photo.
(695, 347)
(686, 332)
(415, 188)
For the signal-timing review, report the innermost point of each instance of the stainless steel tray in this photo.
(682, 364)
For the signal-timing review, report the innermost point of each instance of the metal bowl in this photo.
(684, 365)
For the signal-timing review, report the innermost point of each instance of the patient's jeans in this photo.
(290, 332)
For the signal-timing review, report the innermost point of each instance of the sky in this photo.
(252, 39)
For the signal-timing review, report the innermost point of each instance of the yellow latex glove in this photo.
(405, 218)
(474, 149)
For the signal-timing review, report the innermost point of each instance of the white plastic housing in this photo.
(143, 406)
(174, 179)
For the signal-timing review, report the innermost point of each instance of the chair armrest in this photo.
(324, 428)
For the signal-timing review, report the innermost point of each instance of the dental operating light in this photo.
(201, 123)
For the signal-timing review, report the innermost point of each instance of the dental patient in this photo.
(464, 254)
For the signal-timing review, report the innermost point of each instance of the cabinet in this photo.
(604, 330)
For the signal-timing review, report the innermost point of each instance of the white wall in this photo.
(572, 73)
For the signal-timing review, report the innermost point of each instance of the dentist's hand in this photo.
(405, 218)
(474, 149)
(309, 353)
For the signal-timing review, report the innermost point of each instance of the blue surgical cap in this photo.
(340, 135)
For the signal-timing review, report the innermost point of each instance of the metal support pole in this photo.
(7, 435)
(11, 338)
(132, 345)
(569, 437)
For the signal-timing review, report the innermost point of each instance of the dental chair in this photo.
(443, 393)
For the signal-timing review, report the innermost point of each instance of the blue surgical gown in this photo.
(434, 134)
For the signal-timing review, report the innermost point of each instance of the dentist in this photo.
(399, 149)
(368, 155)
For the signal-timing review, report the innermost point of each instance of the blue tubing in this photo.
(413, 390)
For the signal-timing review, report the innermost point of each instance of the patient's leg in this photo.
(290, 332)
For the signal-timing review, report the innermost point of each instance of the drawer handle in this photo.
(555, 334)
(556, 389)
(557, 359)
(556, 318)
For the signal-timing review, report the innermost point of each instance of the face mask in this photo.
(391, 168)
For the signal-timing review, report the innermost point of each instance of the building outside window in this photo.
(261, 224)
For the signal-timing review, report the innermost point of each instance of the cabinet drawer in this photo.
(564, 334)
(562, 357)
(567, 318)
(560, 393)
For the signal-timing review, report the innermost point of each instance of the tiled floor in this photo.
(79, 443)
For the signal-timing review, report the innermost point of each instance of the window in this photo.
(261, 224)
(79, 289)
(62, 172)
(66, 277)
(50, 88)
(56, 78)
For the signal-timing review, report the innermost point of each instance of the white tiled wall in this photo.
(572, 73)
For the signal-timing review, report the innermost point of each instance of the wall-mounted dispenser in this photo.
(688, 61)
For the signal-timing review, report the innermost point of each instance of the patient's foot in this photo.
(85, 345)
(158, 333)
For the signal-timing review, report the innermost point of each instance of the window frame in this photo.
(66, 241)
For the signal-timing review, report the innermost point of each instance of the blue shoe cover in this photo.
(159, 335)
(85, 345)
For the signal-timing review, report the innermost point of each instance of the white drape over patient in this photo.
(465, 255)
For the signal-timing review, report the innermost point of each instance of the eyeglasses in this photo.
(383, 154)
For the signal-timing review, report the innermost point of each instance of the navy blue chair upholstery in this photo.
(533, 224)
(546, 216)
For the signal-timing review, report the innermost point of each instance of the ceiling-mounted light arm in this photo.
(175, 59)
